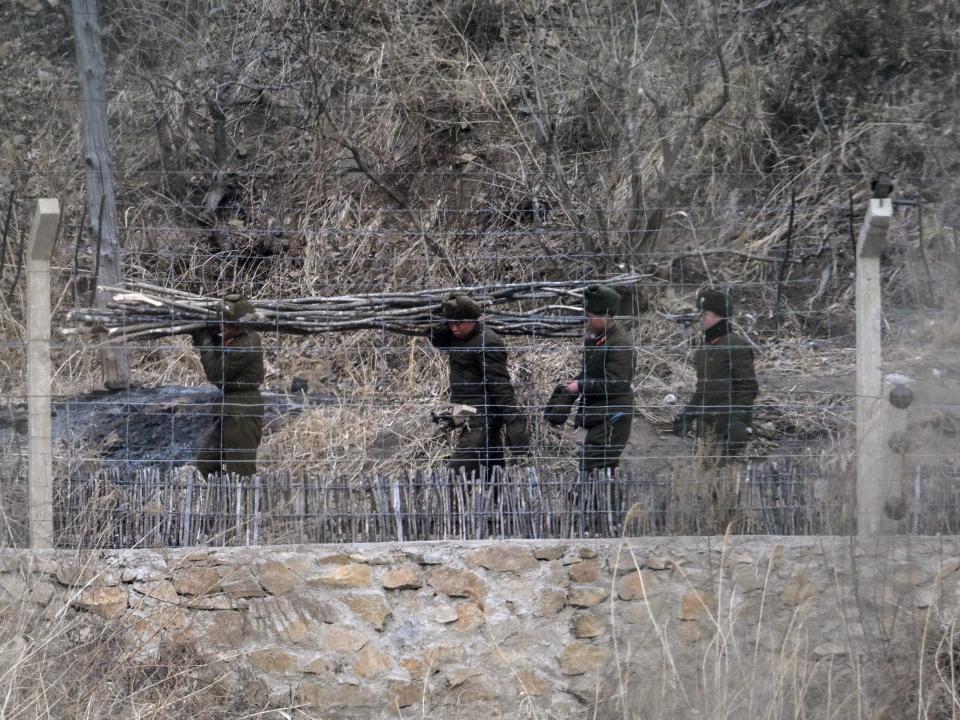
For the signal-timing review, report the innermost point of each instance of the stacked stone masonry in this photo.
(479, 628)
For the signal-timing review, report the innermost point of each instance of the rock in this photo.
(746, 576)
(425, 558)
(200, 558)
(587, 571)
(634, 614)
(551, 602)
(911, 575)
(637, 585)
(273, 661)
(831, 648)
(295, 630)
(406, 577)
(445, 614)
(659, 563)
(107, 602)
(276, 578)
(587, 597)
(42, 593)
(329, 697)
(160, 620)
(950, 565)
(797, 591)
(372, 662)
(503, 558)
(550, 552)
(469, 617)
(161, 590)
(340, 639)
(371, 608)
(696, 604)
(256, 693)
(405, 694)
(73, 575)
(226, 630)
(588, 626)
(142, 573)
(211, 602)
(500, 629)
(417, 667)
(587, 553)
(344, 576)
(239, 582)
(581, 657)
(12, 588)
(475, 688)
(458, 676)
(532, 683)
(458, 583)
(320, 666)
(690, 632)
(196, 581)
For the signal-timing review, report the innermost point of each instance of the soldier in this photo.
(606, 396)
(726, 384)
(479, 378)
(233, 361)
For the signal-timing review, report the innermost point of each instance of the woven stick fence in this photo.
(141, 310)
(150, 508)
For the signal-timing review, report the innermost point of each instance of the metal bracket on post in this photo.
(46, 220)
(874, 456)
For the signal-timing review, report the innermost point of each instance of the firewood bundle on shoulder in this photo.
(143, 311)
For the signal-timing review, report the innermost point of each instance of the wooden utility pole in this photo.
(876, 461)
(46, 219)
(97, 160)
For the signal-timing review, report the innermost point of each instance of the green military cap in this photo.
(716, 301)
(601, 300)
(460, 307)
(237, 307)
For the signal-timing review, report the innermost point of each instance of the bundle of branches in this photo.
(141, 310)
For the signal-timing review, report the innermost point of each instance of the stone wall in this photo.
(488, 628)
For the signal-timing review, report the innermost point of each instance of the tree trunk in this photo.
(97, 160)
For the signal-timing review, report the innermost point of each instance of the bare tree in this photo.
(101, 197)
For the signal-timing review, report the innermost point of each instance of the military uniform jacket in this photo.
(726, 383)
(478, 371)
(605, 380)
(237, 367)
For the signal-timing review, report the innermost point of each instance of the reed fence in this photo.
(154, 508)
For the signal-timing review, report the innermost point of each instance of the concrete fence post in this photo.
(875, 459)
(46, 220)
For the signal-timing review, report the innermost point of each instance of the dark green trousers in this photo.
(604, 444)
(479, 447)
(724, 434)
(232, 443)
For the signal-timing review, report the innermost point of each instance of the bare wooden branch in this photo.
(139, 312)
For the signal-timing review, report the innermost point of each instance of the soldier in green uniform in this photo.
(604, 382)
(233, 361)
(479, 378)
(726, 383)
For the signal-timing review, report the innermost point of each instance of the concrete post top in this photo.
(46, 219)
(873, 234)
